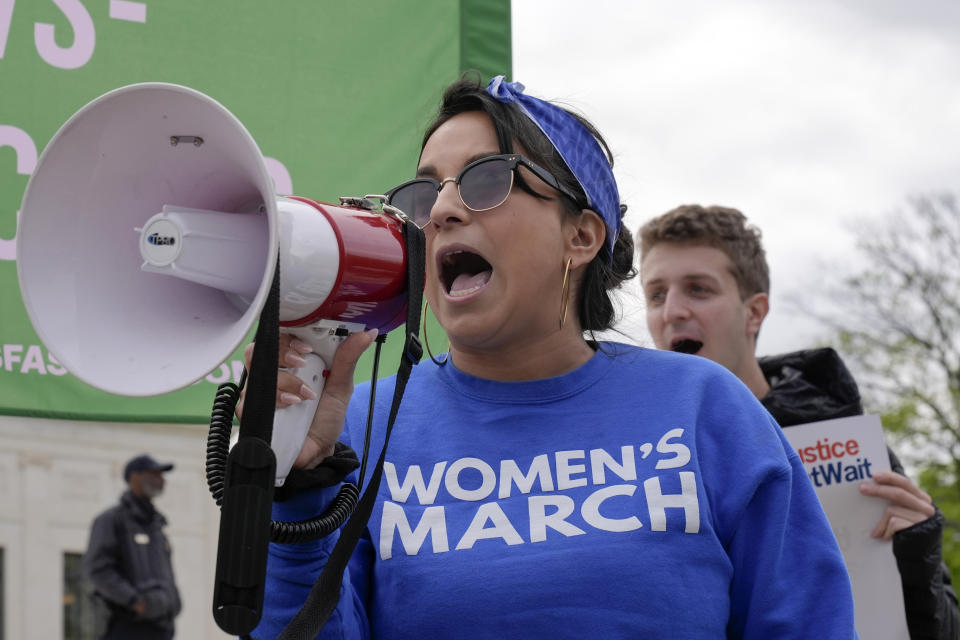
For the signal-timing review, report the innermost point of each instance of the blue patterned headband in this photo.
(578, 148)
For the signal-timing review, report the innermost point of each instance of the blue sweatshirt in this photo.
(644, 495)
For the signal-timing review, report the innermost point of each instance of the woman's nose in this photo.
(448, 208)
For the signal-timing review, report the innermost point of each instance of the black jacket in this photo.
(807, 386)
(128, 558)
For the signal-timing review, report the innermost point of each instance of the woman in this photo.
(539, 484)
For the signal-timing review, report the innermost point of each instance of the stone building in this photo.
(55, 477)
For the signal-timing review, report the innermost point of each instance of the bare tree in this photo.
(897, 323)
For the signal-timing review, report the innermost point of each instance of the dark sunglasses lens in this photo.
(486, 185)
(415, 199)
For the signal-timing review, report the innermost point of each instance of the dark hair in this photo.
(595, 308)
(722, 228)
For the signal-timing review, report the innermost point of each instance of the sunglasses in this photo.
(482, 185)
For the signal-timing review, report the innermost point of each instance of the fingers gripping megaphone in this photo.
(148, 239)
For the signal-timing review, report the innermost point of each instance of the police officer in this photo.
(127, 562)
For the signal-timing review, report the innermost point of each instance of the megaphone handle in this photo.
(290, 424)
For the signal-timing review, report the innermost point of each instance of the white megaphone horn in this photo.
(148, 238)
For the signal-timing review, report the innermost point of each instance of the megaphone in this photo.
(149, 234)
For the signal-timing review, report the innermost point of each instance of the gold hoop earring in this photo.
(565, 293)
(426, 340)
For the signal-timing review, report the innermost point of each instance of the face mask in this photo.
(151, 487)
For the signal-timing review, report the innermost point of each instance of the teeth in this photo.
(448, 257)
(465, 292)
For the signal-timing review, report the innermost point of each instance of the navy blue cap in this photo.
(144, 463)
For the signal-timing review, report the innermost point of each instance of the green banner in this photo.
(335, 94)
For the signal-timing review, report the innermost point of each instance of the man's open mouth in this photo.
(463, 272)
(686, 345)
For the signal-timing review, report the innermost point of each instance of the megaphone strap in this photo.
(257, 419)
(248, 487)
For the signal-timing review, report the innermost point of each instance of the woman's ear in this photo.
(585, 235)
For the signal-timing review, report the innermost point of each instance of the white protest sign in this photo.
(839, 455)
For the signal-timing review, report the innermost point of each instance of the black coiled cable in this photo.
(218, 437)
(218, 447)
(318, 526)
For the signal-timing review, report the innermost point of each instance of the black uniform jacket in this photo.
(812, 385)
(128, 558)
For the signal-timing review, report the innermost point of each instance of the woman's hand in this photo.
(908, 506)
(331, 410)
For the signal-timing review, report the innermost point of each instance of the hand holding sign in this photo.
(908, 506)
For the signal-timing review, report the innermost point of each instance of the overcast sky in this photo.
(803, 115)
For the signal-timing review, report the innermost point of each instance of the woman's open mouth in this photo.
(463, 272)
